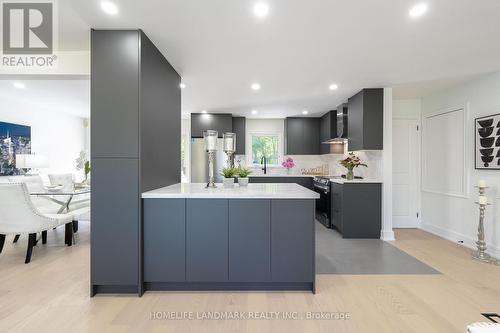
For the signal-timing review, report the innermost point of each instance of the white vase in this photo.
(228, 182)
(243, 181)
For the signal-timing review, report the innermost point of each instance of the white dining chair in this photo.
(18, 215)
(78, 207)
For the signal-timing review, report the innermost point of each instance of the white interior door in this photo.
(405, 173)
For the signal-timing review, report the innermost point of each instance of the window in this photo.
(265, 145)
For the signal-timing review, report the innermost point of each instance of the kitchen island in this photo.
(259, 237)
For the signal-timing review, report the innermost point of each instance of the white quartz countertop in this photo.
(274, 175)
(252, 191)
(355, 181)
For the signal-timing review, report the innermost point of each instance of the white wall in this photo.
(453, 217)
(407, 108)
(58, 136)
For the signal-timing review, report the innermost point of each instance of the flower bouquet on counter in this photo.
(350, 162)
(288, 164)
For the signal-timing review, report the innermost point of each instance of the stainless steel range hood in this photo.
(341, 125)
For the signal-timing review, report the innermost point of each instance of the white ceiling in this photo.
(54, 95)
(220, 48)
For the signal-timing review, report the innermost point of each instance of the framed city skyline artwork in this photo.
(14, 139)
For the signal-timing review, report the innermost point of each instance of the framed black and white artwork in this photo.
(487, 150)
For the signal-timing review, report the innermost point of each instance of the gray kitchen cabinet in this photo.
(348, 218)
(114, 233)
(294, 144)
(221, 122)
(249, 240)
(327, 131)
(302, 136)
(311, 136)
(239, 128)
(135, 109)
(292, 238)
(207, 240)
(228, 244)
(366, 116)
(164, 240)
(305, 181)
(114, 90)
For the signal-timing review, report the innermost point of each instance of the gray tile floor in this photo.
(335, 255)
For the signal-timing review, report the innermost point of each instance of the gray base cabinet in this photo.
(249, 240)
(292, 238)
(165, 236)
(305, 181)
(206, 240)
(229, 244)
(347, 215)
(114, 233)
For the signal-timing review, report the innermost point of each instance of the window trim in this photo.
(280, 147)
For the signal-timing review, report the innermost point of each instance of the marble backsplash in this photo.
(372, 158)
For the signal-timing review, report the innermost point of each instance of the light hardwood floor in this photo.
(51, 294)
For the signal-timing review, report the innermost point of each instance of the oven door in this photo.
(323, 204)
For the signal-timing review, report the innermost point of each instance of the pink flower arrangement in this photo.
(288, 163)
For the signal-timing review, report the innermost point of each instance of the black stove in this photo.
(323, 204)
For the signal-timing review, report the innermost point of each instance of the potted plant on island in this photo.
(351, 162)
(243, 176)
(228, 174)
(288, 164)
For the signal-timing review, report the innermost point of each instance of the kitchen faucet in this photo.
(265, 164)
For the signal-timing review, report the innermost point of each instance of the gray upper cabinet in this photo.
(366, 115)
(221, 122)
(327, 131)
(114, 91)
(302, 136)
(239, 125)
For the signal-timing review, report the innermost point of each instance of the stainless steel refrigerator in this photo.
(199, 161)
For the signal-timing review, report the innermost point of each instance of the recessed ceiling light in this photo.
(333, 86)
(254, 112)
(109, 7)
(255, 86)
(182, 85)
(203, 111)
(261, 9)
(418, 10)
(19, 85)
(305, 112)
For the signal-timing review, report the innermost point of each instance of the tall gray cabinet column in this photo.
(135, 147)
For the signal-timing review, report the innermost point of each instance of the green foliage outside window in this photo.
(265, 145)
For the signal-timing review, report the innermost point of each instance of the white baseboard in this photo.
(387, 235)
(455, 237)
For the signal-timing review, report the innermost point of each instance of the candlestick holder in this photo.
(210, 138)
(211, 161)
(229, 147)
(482, 190)
(481, 254)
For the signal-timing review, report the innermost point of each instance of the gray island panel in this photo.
(292, 235)
(235, 239)
(249, 240)
(165, 236)
(206, 240)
